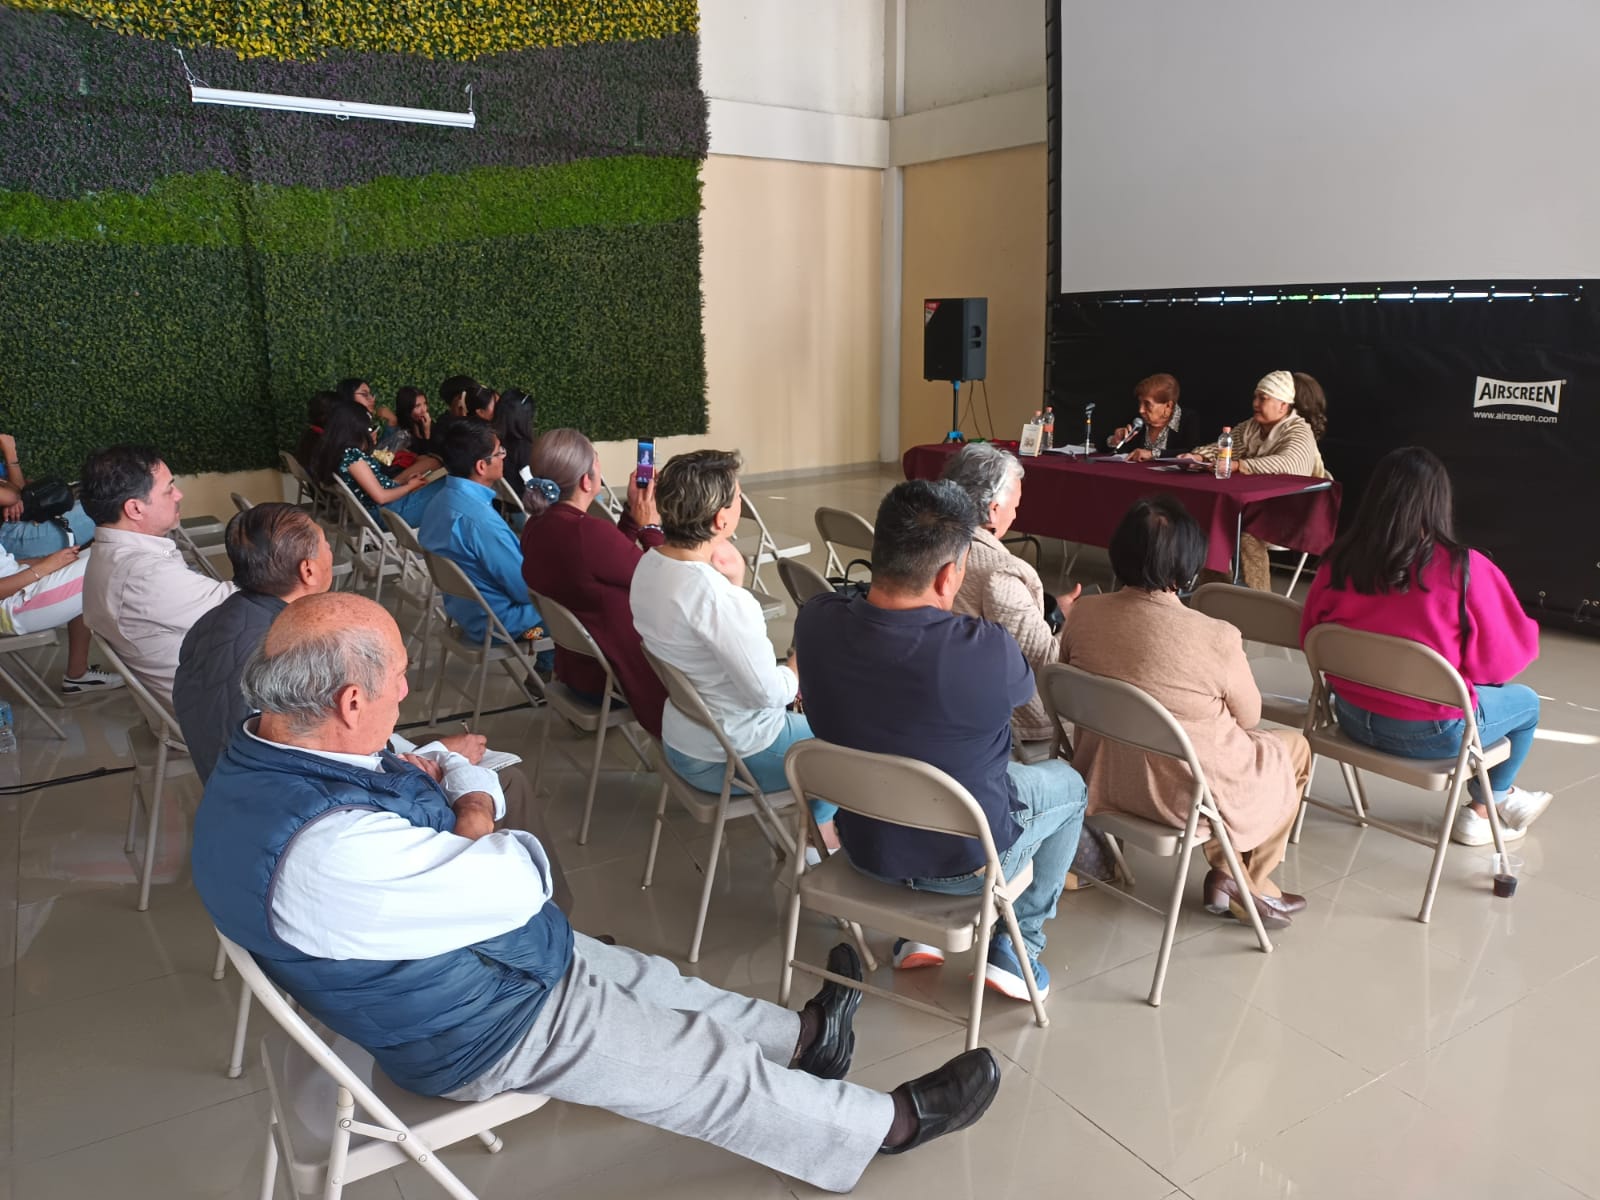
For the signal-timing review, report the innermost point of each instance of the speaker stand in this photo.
(954, 437)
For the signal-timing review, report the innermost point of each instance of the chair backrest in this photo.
(1264, 617)
(1393, 664)
(157, 715)
(886, 787)
(564, 628)
(686, 699)
(841, 527)
(405, 536)
(802, 582)
(1115, 710)
(509, 494)
(192, 551)
(239, 502)
(355, 508)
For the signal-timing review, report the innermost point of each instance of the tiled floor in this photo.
(1368, 1056)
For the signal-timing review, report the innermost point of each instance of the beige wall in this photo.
(975, 226)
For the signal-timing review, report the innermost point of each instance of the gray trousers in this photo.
(626, 1032)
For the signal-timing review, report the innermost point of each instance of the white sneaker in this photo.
(1522, 808)
(909, 955)
(96, 680)
(1472, 830)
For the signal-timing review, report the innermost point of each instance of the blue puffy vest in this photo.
(433, 1024)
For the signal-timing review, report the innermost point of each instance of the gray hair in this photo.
(985, 472)
(303, 681)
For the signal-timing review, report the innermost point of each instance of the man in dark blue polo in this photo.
(896, 672)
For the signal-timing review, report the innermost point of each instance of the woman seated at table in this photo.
(586, 563)
(1169, 429)
(691, 608)
(999, 586)
(1290, 417)
(1399, 570)
(1195, 667)
(346, 452)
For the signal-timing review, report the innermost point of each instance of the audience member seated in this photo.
(999, 586)
(453, 393)
(416, 422)
(1195, 667)
(897, 672)
(481, 403)
(447, 963)
(139, 595)
(586, 563)
(692, 610)
(513, 424)
(1399, 570)
(24, 539)
(278, 554)
(463, 526)
(1290, 417)
(46, 593)
(317, 410)
(1169, 429)
(346, 452)
(359, 391)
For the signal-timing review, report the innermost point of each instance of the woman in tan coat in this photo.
(999, 586)
(1195, 667)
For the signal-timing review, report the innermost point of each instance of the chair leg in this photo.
(1299, 567)
(1122, 863)
(538, 756)
(868, 959)
(240, 1030)
(152, 832)
(1451, 803)
(339, 1151)
(53, 695)
(1494, 813)
(791, 934)
(1352, 785)
(27, 698)
(491, 1141)
(220, 968)
(980, 958)
(438, 681)
(655, 839)
(135, 802)
(1236, 869)
(1005, 911)
(483, 683)
(711, 875)
(1169, 924)
(1300, 817)
(594, 778)
(269, 1168)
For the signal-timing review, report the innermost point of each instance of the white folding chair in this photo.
(569, 634)
(363, 537)
(336, 1118)
(414, 587)
(19, 644)
(1120, 712)
(1405, 668)
(769, 549)
(801, 581)
(901, 791)
(496, 646)
(839, 527)
(505, 492)
(709, 808)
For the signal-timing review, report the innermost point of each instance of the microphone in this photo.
(1133, 431)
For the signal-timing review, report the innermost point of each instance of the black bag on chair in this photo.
(46, 499)
(851, 588)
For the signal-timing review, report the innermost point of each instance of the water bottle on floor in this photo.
(1223, 466)
(8, 735)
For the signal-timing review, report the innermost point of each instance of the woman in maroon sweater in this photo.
(586, 563)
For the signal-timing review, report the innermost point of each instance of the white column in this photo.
(893, 235)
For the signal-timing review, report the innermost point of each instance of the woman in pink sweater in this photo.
(1398, 570)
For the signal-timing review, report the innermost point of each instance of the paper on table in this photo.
(1078, 450)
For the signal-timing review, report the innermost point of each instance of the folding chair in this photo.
(202, 546)
(800, 581)
(415, 587)
(362, 535)
(567, 632)
(840, 527)
(240, 502)
(1272, 620)
(1411, 669)
(497, 644)
(709, 808)
(769, 549)
(356, 1123)
(1123, 713)
(309, 494)
(901, 791)
(507, 494)
(19, 644)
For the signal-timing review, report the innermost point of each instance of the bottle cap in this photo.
(1227, 429)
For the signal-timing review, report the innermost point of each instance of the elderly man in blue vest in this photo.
(373, 889)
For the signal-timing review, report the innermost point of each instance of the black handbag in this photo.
(851, 588)
(46, 499)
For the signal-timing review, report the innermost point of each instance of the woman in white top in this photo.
(691, 610)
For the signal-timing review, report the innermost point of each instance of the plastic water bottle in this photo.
(8, 735)
(1049, 429)
(1222, 467)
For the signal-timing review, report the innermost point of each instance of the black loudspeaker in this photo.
(955, 338)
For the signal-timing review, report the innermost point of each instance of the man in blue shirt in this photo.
(462, 525)
(896, 672)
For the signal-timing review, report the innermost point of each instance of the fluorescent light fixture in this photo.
(332, 108)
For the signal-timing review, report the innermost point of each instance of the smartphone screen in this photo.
(646, 470)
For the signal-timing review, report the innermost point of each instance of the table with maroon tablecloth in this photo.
(1080, 500)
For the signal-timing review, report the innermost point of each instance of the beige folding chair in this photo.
(414, 587)
(496, 646)
(363, 537)
(901, 791)
(1411, 669)
(201, 546)
(709, 808)
(769, 549)
(336, 1119)
(240, 502)
(800, 581)
(1123, 713)
(19, 644)
(568, 633)
(504, 491)
(840, 527)
(1272, 620)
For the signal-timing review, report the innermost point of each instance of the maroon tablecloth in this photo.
(1079, 501)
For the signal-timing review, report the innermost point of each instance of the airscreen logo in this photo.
(1542, 399)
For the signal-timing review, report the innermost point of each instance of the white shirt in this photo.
(690, 616)
(141, 598)
(372, 886)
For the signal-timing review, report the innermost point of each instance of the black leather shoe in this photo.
(950, 1098)
(828, 1056)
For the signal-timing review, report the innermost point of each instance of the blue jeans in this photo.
(765, 765)
(1507, 710)
(1053, 798)
(37, 539)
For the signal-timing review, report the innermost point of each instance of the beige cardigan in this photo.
(1288, 448)
(1003, 588)
(1194, 666)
